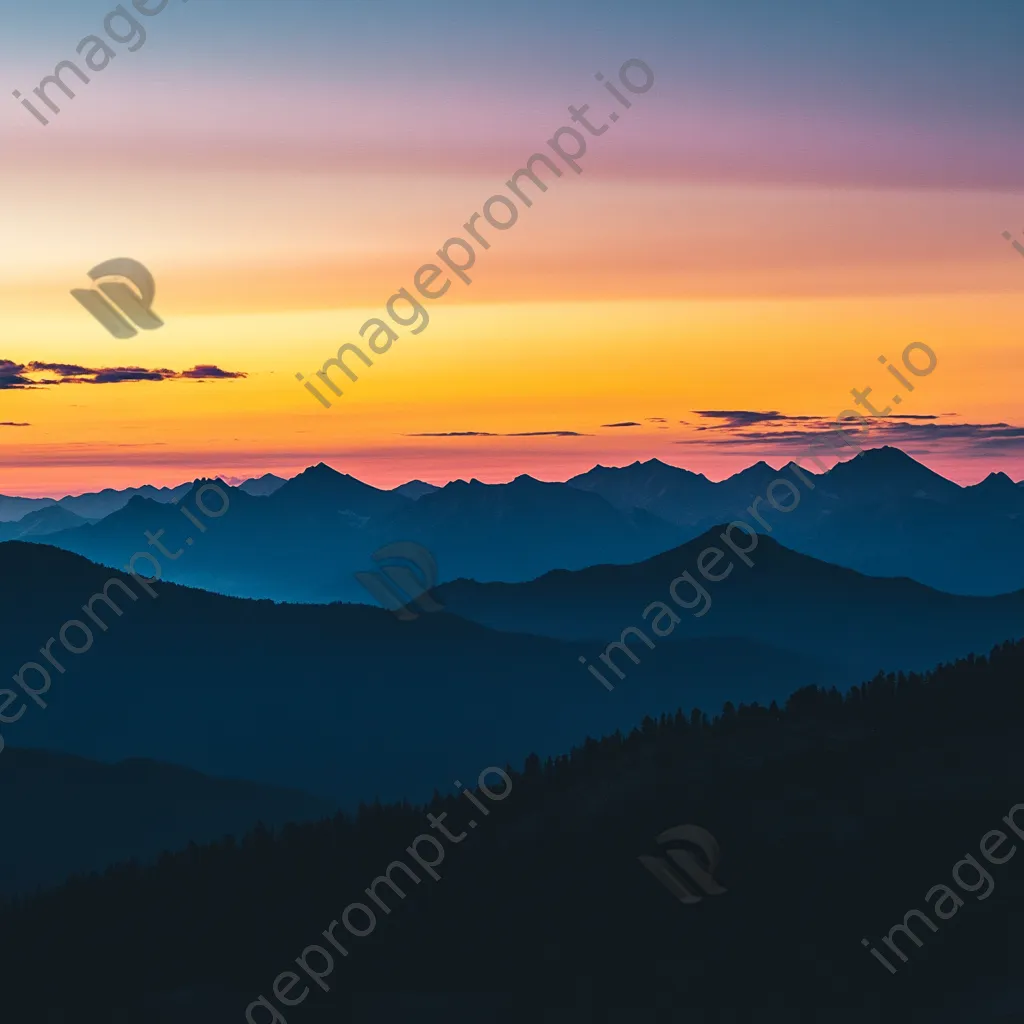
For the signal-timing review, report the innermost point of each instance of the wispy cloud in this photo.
(485, 433)
(627, 423)
(736, 419)
(9, 424)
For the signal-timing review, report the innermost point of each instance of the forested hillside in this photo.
(835, 815)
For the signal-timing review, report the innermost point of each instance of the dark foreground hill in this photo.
(63, 815)
(343, 701)
(856, 624)
(835, 817)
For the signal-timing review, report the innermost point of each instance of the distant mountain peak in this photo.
(325, 481)
(887, 454)
(665, 467)
(415, 489)
(793, 466)
(321, 475)
(889, 460)
(261, 487)
(756, 473)
(891, 471)
(996, 486)
(321, 469)
(999, 479)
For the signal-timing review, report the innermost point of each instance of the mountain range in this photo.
(247, 666)
(305, 541)
(97, 504)
(851, 623)
(41, 523)
(881, 513)
(332, 699)
(329, 699)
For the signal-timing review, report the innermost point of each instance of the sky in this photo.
(802, 190)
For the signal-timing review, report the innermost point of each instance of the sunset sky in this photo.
(805, 188)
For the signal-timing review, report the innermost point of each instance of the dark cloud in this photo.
(628, 423)
(656, 419)
(989, 433)
(746, 418)
(13, 375)
(15, 424)
(204, 371)
(893, 430)
(116, 375)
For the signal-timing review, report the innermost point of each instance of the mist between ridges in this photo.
(40, 672)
